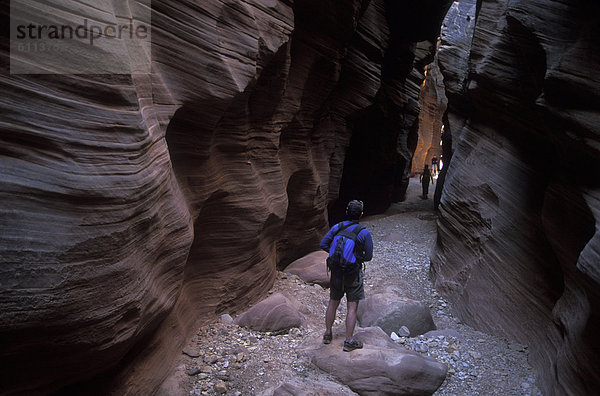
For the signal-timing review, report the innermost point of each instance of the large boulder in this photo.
(381, 367)
(390, 312)
(311, 268)
(307, 387)
(276, 312)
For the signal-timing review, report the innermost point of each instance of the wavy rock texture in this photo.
(433, 103)
(94, 230)
(518, 244)
(378, 161)
(135, 206)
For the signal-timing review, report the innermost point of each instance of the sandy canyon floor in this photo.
(229, 360)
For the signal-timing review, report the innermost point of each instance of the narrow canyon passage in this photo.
(139, 203)
(244, 361)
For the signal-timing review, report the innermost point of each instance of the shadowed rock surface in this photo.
(276, 312)
(380, 368)
(518, 242)
(433, 103)
(309, 388)
(378, 161)
(311, 268)
(390, 312)
(136, 206)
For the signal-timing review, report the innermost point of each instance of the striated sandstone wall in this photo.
(518, 248)
(432, 104)
(135, 206)
(378, 161)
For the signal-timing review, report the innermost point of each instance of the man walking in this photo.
(424, 179)
(347, 278)
(434, 165)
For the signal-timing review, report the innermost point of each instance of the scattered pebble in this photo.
(220, 387)
(226, 318)
(230, 360)
(404, 332)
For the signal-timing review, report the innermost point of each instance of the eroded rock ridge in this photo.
(518, 243)
(134, 206)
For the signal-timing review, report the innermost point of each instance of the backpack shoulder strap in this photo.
(358, 229)
(353, 234)
(340, 227)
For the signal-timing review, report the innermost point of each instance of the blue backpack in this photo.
(336, 262)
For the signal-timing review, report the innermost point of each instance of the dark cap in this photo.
(354, 209)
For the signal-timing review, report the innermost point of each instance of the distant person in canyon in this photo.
(434, 165)
(349, 245)
(425, 179)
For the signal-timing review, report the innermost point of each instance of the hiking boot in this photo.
(352, 345)
(327, 338)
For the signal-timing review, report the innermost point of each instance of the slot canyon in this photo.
(136, 207)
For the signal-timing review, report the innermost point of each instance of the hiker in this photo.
(347, 278)
(424, 179)
(434, 165)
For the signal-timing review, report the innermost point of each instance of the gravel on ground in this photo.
(226, 359)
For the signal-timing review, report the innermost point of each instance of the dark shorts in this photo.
(350, 285)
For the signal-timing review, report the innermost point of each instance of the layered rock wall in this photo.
(518, 247)
(432, 103)
(135, 206)
(378, 161)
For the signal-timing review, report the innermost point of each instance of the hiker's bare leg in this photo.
(330, 314)
(351, 319)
